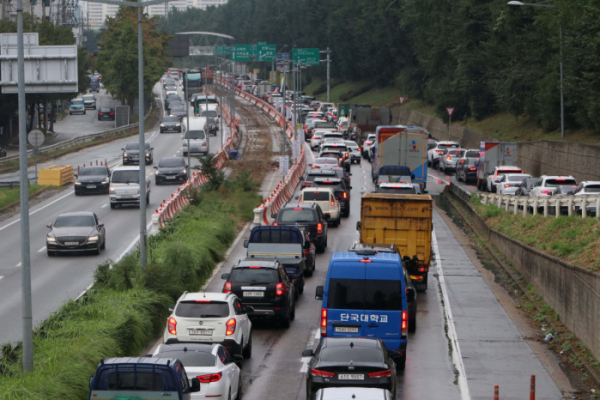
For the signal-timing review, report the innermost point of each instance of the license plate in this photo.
(302, 228)
(351, 377)
(416, 278)
(195, 149)
(91, 186)
(127, 197)
(200, 332)
(343, 329)
(72, 243)
(254, 294)
(171, 177)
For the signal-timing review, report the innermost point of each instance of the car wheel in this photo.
(301, 290)
(239, 391)
(401, 363)
(286, 321)
(70, 113)
(412, 323)
(309, 272)
(84, 113)
(247, 353)
(103, 247)
(113, 205)
(97, 251)
(76, 194)
(148, 199)
(338, 221)
(293, 312)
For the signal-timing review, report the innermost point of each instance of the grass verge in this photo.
(11, 196)
(572, 239)
(127, 306)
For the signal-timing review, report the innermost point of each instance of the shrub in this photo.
(492, 211)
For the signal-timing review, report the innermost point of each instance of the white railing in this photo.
(569, 205)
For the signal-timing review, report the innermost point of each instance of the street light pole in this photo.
(562, 103)
(187, 125)
(27, 310)
(142, 143)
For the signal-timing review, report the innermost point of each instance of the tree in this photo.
(117, 59)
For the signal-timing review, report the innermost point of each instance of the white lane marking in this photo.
(42, 249)
(39, 209)
(1, 277)
(104, 206)
(309, 346)
(456, 355)
(18, 265)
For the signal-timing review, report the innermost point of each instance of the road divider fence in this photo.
(286, 188)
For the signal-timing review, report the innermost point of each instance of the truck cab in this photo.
(142, 378)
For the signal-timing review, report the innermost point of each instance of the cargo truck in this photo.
(194, 84)
(492, 155)
(397, 145)
(404, 220)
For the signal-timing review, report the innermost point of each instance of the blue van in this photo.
(95, 84)
(142, 378)
(365, 295)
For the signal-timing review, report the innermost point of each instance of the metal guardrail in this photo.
(72, 142)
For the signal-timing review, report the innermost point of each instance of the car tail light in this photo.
(332, 203)
(299, 201)
(100, 113)
(546, 191)
(210, 377)
(367, 143)
(422, 269)
(341, 159)
(254, 267)
(324, 322)
(347, 155)
(404, 323)
(111, 113)
(345, 195)
(561, 179)
(275, 224)
(473, 169)
(304, 126)
(319, 228)
(506, 185)
(439, 151)
(306, 252)
(321, 373)
(227, 287)
(380, 374)
(172, 326)
(279, 289)
(230, 327)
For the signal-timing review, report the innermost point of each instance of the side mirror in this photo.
(100, 226)
(301, 178)
(75, 174)
(123, 148)
(151, 148)
(350, 187)
(358, 225)
(319, 292)
(350, 174)
(195, 385)
(308, 353)
(49, 226)
(225, 276)
(410, 294)
(172, 308)
(297, 197)
(425, 192)
(246, 242)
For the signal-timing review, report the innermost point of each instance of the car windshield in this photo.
(77, 102)
(171, 163)
(400, 190)
(209, 113)
(325, 125)
(326, 161)
(190, 357)
(361, 294)
(472, 153)
(592, 189)
(317, 135)
(445, 146)
(502, 173)
(315, 196)
(74, 220)
(126, 176)
(254, 275)
(291, 215)
(560, 182)
(191, 309)
(455, 153)
(89, 97)
(135, 380)
(350, 143)
(136, 146)
(195, 135)
(170, 119)
(108, 110)
(178, 110)
(93, 171)
(355, 354)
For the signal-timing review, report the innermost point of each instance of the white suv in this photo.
(211, 318)
(546, 185)
(325, 198)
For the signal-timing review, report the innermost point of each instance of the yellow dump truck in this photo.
(404, 220)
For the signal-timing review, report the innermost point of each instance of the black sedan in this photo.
(171, 170)
(131, 154)
(76, 232)
(106, 114)
(92, 180)
(170, 124)
(347, 362)
(179, 112)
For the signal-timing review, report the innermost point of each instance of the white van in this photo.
(197, 133)
(124, 187)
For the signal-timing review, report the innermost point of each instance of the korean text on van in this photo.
(365, 296)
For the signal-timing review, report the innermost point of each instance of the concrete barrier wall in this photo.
(573, 292)
(543, 157)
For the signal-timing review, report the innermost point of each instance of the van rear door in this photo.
(345, 300)
(384, 301)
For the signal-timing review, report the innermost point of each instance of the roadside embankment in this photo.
(573, 291)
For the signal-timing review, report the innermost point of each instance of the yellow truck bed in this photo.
(402, 219)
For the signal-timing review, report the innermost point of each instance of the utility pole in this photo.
(187, 126)
(27, 311)
(142, 143)
(328, 70)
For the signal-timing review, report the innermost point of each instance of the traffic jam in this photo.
(341, 271)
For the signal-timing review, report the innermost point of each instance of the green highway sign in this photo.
(241, 52)
(305, 56)
(221, 50)
(266, 52)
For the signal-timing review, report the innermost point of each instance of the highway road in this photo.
(465, 342)
(57, 279)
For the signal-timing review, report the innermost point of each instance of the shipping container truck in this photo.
(492, 155)
(404, 220)
(399, 145)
